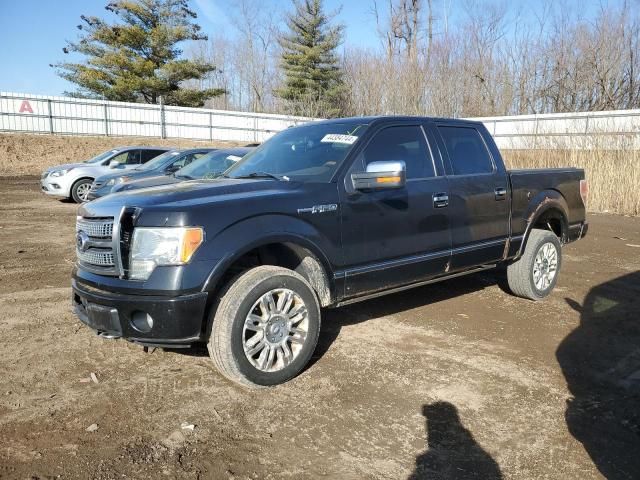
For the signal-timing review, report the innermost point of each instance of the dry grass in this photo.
(28, 154)
(614, 175)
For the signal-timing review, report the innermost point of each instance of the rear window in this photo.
(467, 150)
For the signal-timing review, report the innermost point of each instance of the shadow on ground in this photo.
(452, 452)
(601, 363)
(334, 319)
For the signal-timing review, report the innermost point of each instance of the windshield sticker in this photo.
(337, 138)
(234, 158)
(175, 153)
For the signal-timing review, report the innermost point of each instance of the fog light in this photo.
(141, 321)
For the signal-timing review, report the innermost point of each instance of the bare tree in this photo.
(491, 58)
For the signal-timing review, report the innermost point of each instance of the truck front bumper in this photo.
(159, 321)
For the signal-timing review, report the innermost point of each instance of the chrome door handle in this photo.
(440, 200)
(501, 193)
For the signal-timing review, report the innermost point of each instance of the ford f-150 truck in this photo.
(319, 216)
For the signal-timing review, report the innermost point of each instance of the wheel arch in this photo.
(286, 250)
(548, 210)
(75, 181)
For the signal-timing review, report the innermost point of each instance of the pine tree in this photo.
(138, 59)
(313, 79)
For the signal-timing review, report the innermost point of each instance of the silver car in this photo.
(73, 180)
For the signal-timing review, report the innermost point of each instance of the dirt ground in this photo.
(24, 154)
(453, 380)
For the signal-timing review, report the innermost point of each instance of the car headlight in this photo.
(117, 180)
(152, 247)
(59, 173)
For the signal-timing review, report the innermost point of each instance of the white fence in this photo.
(608, 129)
(72, 116)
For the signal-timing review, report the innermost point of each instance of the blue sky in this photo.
(33, 32)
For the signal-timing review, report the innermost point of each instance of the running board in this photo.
(369, 296)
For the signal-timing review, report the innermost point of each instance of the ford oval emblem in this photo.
(82, 241)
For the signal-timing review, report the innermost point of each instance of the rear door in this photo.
(395, 236)
(478, 195)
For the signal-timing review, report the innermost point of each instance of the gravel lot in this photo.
(453, 380)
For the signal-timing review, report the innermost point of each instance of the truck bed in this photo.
(527, 184)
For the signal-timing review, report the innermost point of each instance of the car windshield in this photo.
(102, 156)
(159, 160)
(310, 152)
(211, 165)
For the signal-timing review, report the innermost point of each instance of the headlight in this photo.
(118, 180)
(59, 173)
(162, 246)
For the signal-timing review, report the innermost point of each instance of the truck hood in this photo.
(186, 194)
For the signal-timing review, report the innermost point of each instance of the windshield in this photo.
(310, 152)
(101, 157)
(211, 165)
(159, 160)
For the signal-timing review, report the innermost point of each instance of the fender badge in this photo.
(331, 207)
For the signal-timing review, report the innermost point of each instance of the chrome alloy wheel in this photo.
(83, 191)
(545, 266)
(275, 330)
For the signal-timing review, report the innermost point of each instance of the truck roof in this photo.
(381, 118)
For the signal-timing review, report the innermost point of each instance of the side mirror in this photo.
(172, 168)
(381, 175)
(114, 164)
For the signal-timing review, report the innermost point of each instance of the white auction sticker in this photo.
(234, 158)
(337, 138)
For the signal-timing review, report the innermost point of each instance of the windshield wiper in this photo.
(184, 177)
(264, 175)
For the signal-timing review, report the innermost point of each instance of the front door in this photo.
(395, 236)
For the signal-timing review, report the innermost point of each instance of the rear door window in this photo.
(467, 151)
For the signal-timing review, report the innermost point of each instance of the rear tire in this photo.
(265, 327)
(535, 273)
(80, 190)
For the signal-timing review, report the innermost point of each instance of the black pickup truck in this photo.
(321, 215)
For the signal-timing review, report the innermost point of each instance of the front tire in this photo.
(265, 328)
(535, 274)
(80, 190)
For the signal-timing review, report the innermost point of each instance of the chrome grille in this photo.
(94, 245)
(102, 258)
(102, 228)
